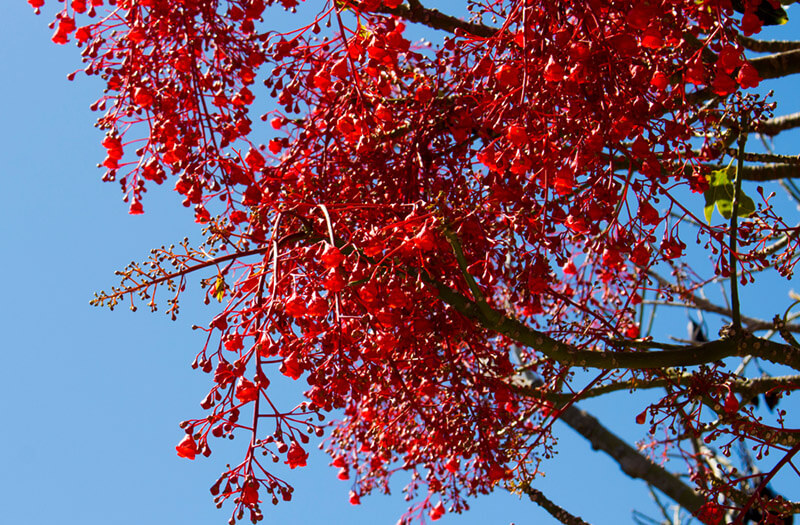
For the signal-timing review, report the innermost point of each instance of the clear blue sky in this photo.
(92, 398)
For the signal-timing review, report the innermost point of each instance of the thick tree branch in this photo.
(435, 19)
(567, 354)
(748, 388)
(777, 65)
(554, 510)
(630, 460)
(775, 125)
(766, 157)
(767, 172)
(767, 46)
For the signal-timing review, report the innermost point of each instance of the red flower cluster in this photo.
(407, 199)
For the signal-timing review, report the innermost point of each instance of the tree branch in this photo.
(740, 345)
(435, 19)
(733, 234)
(630, 460)
(777, 65)
(767, 46)
(554, 510)
(767, 172)
(775, 125)
(748, 388)
(766, 157)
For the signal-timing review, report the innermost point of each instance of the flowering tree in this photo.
(455, 244)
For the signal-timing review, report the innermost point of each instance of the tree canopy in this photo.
(455, 241)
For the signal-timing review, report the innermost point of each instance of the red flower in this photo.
(295, 306)
(275, 146)
(136, 208)
(695, 73)
(577, 224)
(201, 215)
(136, 35)
(334, 282)
(711, 514)
(731, 405)
(652, 39)
(233, 342)
(723, 84)
(250, 494)
(317, 307)
(496, 472)
(640, 255)
(517, 135)
(331, 257)
(452, 465)
(83, 34)
(564, 182)
(224, 374)
(187, 448)
(553, 71)
(339, 69)
(751, 24)
(246, 391)
(66, 26)
(142, 97)
(291, 367)
(383, 113)
(425, 240)
(672, 248)
(296, 457)
(648, 214)
(729, 59)
(322, 81)
(423, 94)
(254, 159)
(659, 81)
(507, 76)
(238, 216)
(748, 77)
(113, 147)
(436, 512)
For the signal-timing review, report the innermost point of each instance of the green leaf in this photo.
(720, 194)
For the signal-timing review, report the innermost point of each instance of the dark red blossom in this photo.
(748, 76)
(187, 448)
(296, 456)
(246, 391)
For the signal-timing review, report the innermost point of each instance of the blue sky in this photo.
(92, 398)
